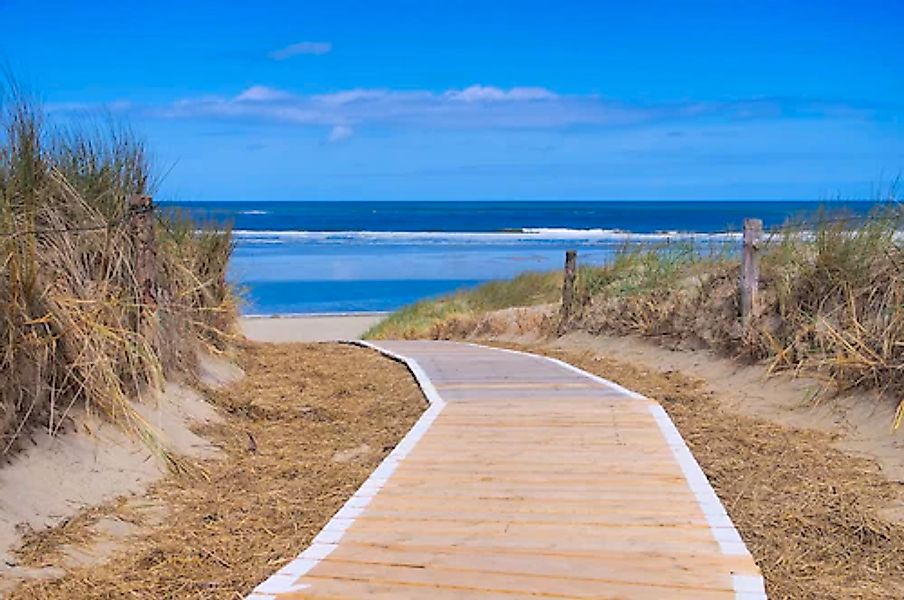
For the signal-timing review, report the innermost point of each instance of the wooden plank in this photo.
(473, 583)
(610, 567)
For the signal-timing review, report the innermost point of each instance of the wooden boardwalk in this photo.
(526, 478)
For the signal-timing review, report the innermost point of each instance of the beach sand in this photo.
(92, 462)
(314, 328)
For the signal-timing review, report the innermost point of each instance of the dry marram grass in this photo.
(303, 430)
(70, 306)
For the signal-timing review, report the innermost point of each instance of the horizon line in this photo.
(642, 200)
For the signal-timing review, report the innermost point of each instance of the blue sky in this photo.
(484, 100)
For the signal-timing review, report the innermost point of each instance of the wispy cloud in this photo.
(340, 133)
(481, 106)
(260, 93)
(474, 106)
(488, 93)
(314, 48)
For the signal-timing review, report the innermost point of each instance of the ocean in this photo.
(350, 257)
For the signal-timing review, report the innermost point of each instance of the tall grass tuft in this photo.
(69, 299)
(835, 299)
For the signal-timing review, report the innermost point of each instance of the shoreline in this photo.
(317, 315)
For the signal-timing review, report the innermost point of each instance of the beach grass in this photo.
(632, 271)
(831, 300)
(416, 320)
(71, 310)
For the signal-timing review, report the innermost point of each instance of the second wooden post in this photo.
(567, 290)
(750, 268)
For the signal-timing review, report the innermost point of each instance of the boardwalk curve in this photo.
(525, 478)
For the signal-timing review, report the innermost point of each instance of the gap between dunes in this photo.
(308, 423)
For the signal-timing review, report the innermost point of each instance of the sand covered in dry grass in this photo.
(297, 435)
(92, 461)
(859, 422)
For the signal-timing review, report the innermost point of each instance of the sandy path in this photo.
(315, 328)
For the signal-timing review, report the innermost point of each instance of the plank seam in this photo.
(285, 580)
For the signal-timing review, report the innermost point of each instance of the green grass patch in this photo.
(632, 271)
(416, 320)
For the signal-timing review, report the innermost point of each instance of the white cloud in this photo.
(488, 93)
(349, 96)
(261, 93)
(312, 48)
(340, 133)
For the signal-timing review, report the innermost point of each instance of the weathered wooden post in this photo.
(141, 224)
(750, 268)
(567, 290)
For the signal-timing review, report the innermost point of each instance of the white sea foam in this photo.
(501, 237)
(255, 212)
